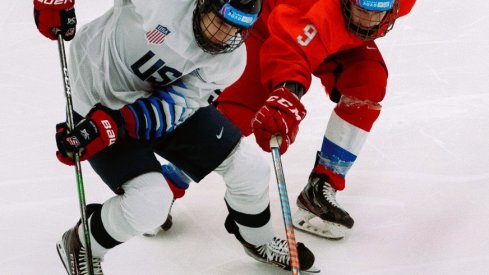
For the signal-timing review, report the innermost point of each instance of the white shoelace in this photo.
(329, 194)
(276, 251)
(96, 262)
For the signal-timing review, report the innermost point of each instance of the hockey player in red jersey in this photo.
(331, 40)
(334, 41)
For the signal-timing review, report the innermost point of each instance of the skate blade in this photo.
(302, 221)
(312, 269)
(164, 227)
(153, 232)
(62, 256)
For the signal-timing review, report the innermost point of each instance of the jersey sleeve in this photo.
(405, 6)
(292, 50)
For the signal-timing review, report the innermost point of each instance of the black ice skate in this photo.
(275, 252)
(72, 254)
(318, 212)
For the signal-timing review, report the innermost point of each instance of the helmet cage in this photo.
(220, 17)
(391, 9)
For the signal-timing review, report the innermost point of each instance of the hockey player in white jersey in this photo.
(142, 75)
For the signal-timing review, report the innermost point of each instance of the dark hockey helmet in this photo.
(221, 26)
(370, 19)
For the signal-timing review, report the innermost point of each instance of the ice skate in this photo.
(72, 254)
(275, 252)
(318, 212)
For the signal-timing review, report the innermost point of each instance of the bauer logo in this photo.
(55, 2)
(157, 36)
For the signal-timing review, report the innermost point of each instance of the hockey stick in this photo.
(284, 202)
(78, 172)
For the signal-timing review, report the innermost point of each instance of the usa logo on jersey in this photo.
(157, 36)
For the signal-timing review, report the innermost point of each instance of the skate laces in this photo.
(329, 194)
(275, 251)
(83, 265)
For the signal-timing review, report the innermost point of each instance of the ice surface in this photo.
(419, 191)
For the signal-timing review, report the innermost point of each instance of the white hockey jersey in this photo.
(139, 46)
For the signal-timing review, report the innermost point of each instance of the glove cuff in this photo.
(294, 87)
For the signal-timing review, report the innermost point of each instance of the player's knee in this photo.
(361, 113)
(147, 201)
(246, 171)
(365, 80)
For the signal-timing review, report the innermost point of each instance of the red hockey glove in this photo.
(55, 16)
(97, 131)
(280, 115)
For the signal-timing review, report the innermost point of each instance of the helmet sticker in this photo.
(237, 17)
(376, 5)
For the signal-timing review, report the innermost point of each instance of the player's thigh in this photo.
(201, 143)
(364, 73)
(123, 161)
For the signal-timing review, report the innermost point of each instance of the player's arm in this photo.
(146, 119)
(287, 59)
(55, 17)
(292, 50)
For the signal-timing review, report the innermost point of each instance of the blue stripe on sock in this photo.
(336, 158)
(175, 176)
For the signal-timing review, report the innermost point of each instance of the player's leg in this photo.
(188, 159)
(178, 182)
(244, 171)
(356, 79)
(142, 203)
(239, 103)
(247, 175)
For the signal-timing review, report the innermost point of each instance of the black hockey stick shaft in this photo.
(284, 202)
(78, 171)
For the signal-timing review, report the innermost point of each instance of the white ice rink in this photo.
(419, 191)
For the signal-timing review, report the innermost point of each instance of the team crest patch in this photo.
(157, 36)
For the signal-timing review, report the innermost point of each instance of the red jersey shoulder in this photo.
(405, 6)
(329, 20)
